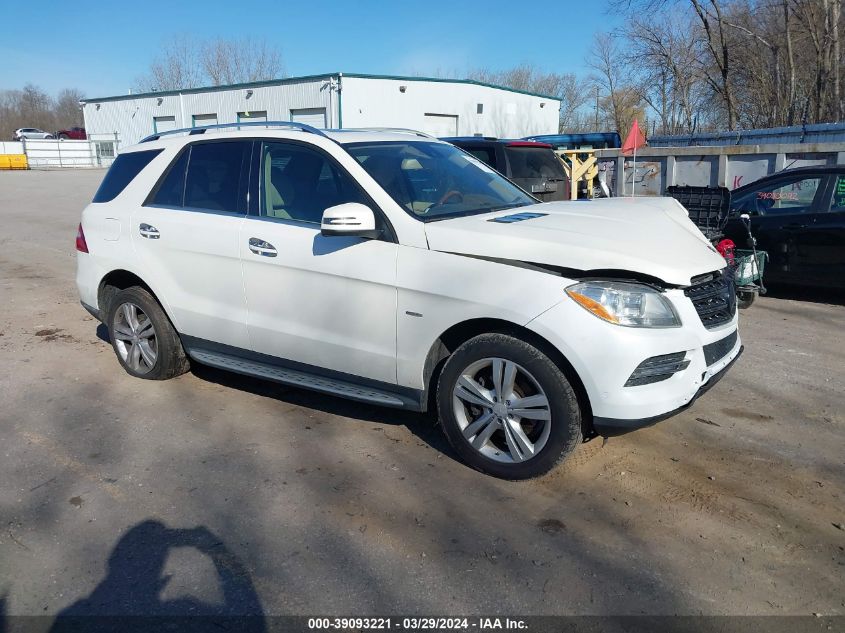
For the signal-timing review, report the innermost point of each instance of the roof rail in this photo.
(201, 130)
(385, 129)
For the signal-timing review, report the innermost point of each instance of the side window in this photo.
(838, 202)
(122, 172)
(783, 197)
(298, 183)
(217, 176)
(171, 191)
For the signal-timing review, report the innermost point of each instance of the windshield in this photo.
(433, 181)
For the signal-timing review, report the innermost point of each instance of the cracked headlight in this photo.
(623, 303)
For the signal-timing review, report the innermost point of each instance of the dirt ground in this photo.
(215, 489)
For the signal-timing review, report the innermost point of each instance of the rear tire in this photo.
(506, 408)
(145, 342)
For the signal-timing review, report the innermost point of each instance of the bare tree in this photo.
(622, 100)
(661, 57)
(67, 110)
(757, 63)
(188, 63)
(238, 61)
(178, 66)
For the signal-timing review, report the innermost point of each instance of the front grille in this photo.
(657, 368)
(716, 351)
(714, 297)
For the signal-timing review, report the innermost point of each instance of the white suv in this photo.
(388, 267)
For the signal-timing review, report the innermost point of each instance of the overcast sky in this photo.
(102, 47)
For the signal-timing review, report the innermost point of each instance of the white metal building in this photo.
(440, 107)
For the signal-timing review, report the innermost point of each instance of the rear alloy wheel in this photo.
(135, 338)
(506, 408)
(142, 336)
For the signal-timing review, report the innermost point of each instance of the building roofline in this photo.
(473, 82)
(288, 80)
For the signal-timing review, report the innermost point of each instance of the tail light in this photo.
(81, 245)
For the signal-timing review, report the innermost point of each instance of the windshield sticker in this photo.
(517, 217)
(777, 195)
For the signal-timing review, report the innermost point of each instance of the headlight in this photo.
(629, 304)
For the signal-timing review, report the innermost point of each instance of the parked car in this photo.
(74, 133)
(395, 269)
(798, 217)
(30, 132)
(531, 165)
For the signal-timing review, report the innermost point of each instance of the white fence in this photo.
(11, 147)
(50, 153)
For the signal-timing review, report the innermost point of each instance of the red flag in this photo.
(634, 141)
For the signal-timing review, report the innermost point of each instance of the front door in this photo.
(783, 213)
(187, 236)
(325, 302)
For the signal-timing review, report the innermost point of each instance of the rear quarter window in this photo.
(534, 162)
(122, 172)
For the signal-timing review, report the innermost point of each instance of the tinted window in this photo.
(436, 180)
(487, 154)
(534, 162)
(782, 197)
(217, 176)
(171, 191)
(300, 183)
(122, 172)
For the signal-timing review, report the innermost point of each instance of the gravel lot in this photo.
(218, 492)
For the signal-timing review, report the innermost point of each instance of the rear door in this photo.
(826, 237)
(187, 236)
(784, 212)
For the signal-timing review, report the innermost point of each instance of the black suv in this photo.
(531, 165)
(798, 217)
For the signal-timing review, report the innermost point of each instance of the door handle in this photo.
(148, 231)
(795, 226)
(260, 247)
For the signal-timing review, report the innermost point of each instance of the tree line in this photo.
(32, 107)
(702, 65)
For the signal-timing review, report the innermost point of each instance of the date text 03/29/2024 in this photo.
(417, 623)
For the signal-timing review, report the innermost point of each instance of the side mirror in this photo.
(351, 219)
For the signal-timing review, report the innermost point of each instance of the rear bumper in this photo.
(609, 427)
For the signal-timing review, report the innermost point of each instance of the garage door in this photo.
(258, 115)
(441, 124)
(315, 117)
(163, 123)
(200, 120)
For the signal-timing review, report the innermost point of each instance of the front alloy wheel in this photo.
(135, 338)
(502, 410)
(507, 408)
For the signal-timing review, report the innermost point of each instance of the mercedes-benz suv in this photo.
(392, 268)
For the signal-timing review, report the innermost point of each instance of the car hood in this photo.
(649, 236)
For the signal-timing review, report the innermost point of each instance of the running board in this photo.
(296, 378)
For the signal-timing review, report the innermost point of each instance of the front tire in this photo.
(506, 408)
(144, 340)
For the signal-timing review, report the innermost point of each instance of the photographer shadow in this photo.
(129, 597)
